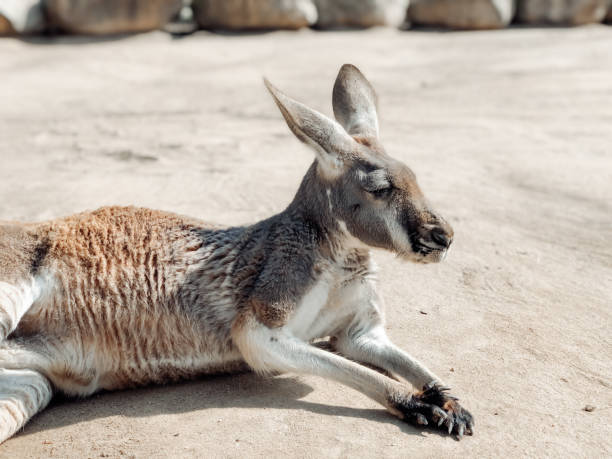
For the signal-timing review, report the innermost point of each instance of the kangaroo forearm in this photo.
(401, 363)
(375, 348)
(269, 350)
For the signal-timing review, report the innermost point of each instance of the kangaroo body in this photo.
(122, 297)
(126, 296)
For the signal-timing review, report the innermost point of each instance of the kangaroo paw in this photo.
(409, 408)
(458, 419)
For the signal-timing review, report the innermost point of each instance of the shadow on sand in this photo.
(245, 390)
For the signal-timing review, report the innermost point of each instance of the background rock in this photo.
(99, 17)
(462, 14)
(254, 14)
(21, 16)
(562, 12)
(363, 13)
(5, 27)
(609, 15)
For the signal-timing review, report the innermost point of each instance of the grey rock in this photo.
(21, 16)
(362, 13)
(254, 14)
(462, 14)
(100, 17)
(562, 12)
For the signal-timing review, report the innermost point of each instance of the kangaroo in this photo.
(123, 297)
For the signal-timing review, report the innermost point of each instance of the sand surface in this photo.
(510, 134)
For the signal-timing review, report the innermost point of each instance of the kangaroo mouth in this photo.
(422, 247)
(426, 252)
(426, 246)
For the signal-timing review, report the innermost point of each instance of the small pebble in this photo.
(589, 408)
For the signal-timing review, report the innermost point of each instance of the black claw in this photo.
(450, 423)
(435, 405)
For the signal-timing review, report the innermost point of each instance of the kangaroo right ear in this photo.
(355, 101)
(329, 140)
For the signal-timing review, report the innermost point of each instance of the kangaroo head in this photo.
(369, 194)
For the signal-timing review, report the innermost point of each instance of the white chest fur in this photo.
(343, 291)
(309, 309)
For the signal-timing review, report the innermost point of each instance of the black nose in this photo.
(440, 237)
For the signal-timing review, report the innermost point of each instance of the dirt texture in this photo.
(510, 134)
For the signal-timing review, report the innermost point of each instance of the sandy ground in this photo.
(510, 134)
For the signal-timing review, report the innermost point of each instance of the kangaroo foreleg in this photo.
(372, 346)
(274, 350)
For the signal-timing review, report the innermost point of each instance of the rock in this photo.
(21, 16)
(561, 12)
(589, 408)
(608, 17)
(362, 13)
(183, 23)
(99, 17)
(254, 14)
(462, 14)
(5, 27)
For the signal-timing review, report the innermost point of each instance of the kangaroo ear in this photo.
(355, 103)
(329, 140)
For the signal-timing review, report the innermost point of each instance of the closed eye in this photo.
(376, 182)
(381, 192)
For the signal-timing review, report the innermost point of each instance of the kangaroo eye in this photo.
(376, 182)
(381, 192)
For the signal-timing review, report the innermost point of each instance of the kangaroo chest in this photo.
(309, 309)
(332, 300)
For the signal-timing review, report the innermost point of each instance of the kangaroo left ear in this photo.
(355, 103)
(325, 136)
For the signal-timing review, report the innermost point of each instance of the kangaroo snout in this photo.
(441, 237)
(435, 236)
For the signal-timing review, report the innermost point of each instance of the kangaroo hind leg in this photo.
(23, 393)
(15, 300)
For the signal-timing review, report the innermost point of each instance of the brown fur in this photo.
(107, 265)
